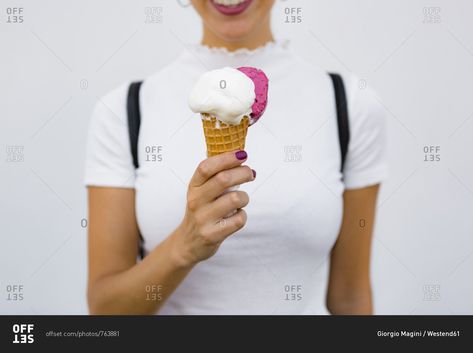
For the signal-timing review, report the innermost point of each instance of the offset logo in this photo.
(154, 153)
(293, 14)
(293, 292)
(15, 154)
(15, 292)
(14, 15)
(23, 333)
(153, 15)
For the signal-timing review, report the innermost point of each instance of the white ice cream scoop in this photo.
(226, 94)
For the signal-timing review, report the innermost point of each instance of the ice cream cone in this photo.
(221, 137)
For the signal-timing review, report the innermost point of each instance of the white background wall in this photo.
(422, 260)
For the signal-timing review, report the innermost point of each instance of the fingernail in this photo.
(241, 155)
(254, 173)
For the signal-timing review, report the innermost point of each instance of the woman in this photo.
(299, 242)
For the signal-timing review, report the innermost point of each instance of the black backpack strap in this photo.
(342, 116)
(134, 122)
(134, 118)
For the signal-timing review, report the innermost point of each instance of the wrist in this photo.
(180, 256)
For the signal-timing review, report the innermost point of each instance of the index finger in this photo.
(213, 165)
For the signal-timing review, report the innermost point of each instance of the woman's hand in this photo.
(205, 225)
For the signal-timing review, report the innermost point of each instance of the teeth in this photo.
(228, 2)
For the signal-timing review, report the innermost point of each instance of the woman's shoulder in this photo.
(364, 105)
(294, 63)
(363, 102)
(163, 73)
(359, 91)
(115, 96)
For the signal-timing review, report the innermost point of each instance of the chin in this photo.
(237, 27)
(233, 32)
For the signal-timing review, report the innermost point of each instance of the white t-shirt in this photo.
(278, 263)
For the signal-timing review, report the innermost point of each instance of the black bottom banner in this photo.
(28, 333)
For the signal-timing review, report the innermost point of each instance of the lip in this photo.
(232, 10)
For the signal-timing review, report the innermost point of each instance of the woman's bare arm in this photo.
(349, 289)
(117, 283)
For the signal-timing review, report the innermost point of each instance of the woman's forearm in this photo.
(143, 288)
(352, 302)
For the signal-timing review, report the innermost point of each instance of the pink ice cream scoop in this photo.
(261, 91)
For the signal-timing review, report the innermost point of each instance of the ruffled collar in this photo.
(242, 52)
(213, 58)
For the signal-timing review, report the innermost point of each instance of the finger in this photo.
(212, 165)
(226, 204)
(225, 227)
(222, 181)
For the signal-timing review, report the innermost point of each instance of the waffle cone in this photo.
(221, 137)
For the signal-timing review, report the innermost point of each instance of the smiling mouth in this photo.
(231, 7)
